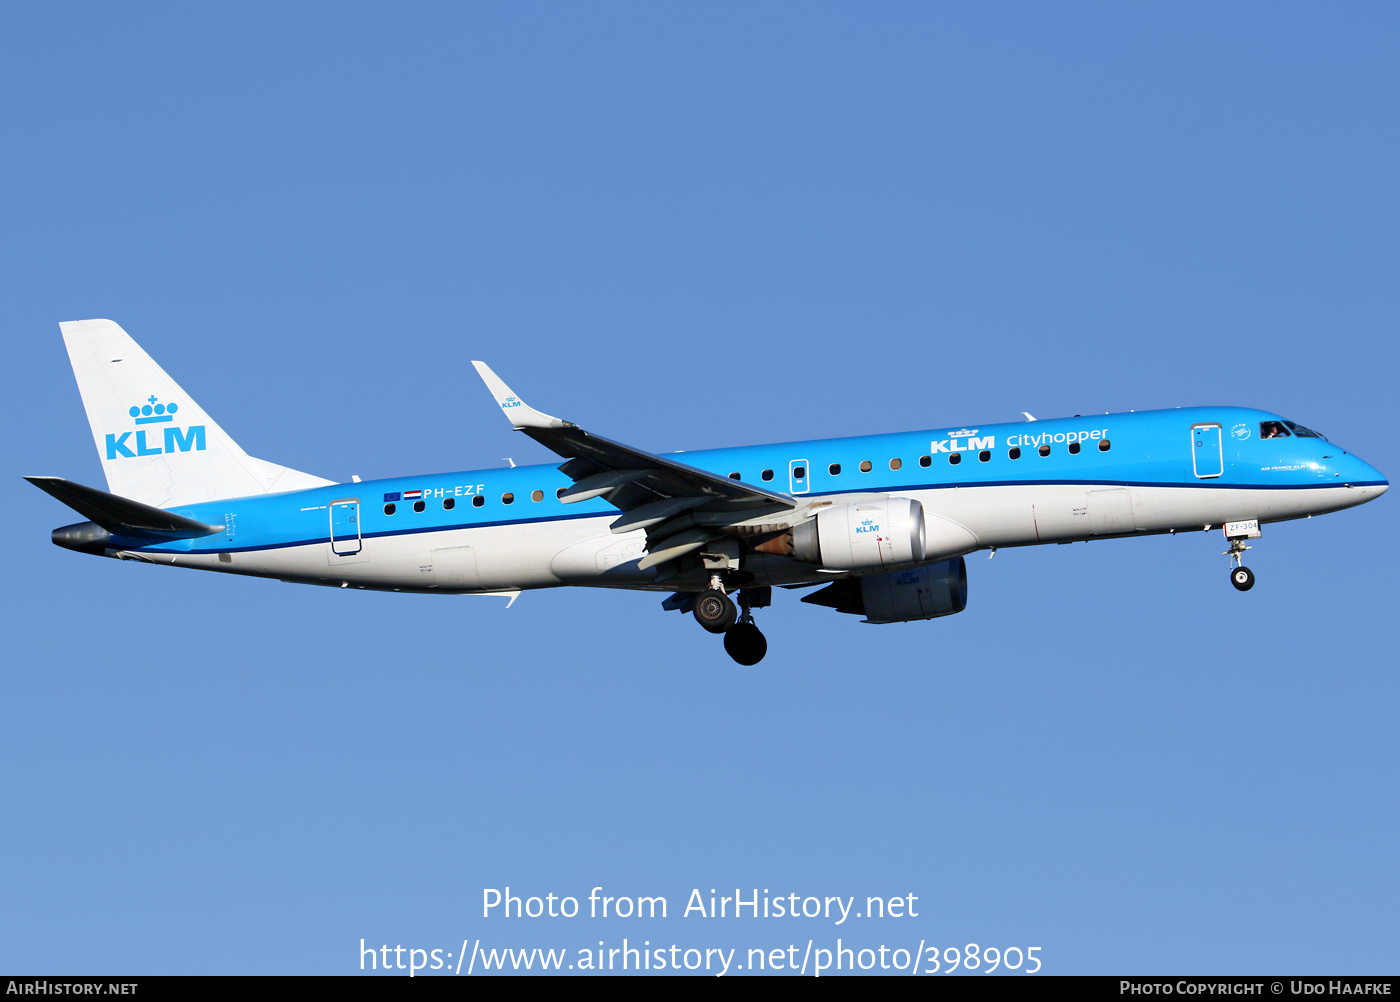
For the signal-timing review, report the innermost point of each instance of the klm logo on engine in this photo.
(130, 444)
(964, 440)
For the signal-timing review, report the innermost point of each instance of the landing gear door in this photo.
(345, 527)
(1206, 457)
(799, 477)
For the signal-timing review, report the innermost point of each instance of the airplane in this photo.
(882, 522)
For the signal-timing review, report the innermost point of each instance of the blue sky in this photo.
(688, 227)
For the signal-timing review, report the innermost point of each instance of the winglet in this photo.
(521, 414)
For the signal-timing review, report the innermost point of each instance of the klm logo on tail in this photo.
(175, 439)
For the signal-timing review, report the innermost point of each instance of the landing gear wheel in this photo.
(745, 643)
(714, 611)
(1242, 578)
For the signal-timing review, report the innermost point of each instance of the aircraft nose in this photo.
(1366, 478)
(1374, 476)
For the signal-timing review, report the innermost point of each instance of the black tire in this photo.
(1242, 578)
(714, 611)
(745, 643)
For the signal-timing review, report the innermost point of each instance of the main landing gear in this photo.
(1235, 534)
(715, 611)
(744, 642)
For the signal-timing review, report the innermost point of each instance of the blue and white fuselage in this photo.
(721, 519)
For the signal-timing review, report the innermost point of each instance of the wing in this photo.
(682, 508)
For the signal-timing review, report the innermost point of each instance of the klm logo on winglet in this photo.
(510, 402)
(174, 439)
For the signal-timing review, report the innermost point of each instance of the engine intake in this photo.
(857, 537)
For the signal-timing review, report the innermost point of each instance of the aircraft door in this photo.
(798, 477)
(1206, 457)
(345, 527)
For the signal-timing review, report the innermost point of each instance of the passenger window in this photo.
(984, 456)
(1013, 453)
(896, 463)
(507, 499)
(925, 461)
(537, 495)
(1074, 448)
(767, 474)
(449, 503)
(954, 458)
(560, 492)
(1272, 429)
(834, 469)
(389, 509)
(478, 500)
(1045, 450)
(419, 506)
(865, 466)
(1104, 445)
(799, 473)
(735, 476)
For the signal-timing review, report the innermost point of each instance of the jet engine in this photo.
(866, 536)
(900, 596)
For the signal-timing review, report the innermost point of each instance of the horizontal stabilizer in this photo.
(122, 516)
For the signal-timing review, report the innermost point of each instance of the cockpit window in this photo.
(1302, 432)
(1272, 429)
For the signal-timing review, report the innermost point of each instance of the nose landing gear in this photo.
(1235, 534)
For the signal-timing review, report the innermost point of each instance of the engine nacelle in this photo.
(857, 537)
(900, 596)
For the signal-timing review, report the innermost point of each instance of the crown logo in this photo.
(962, 434)
(153, 413)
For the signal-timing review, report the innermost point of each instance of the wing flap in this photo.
(654, 513)
(599, 483)
(687, 541)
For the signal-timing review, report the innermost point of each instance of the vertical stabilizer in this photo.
(156, 444)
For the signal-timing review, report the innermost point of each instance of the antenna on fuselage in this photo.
(1029, 415)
